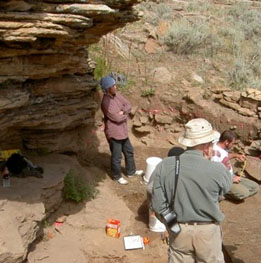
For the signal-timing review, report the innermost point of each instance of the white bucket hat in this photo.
(198, 131)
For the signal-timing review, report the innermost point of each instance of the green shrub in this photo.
(245, 19)
(144, 6)
(102, 68)
(233, 39)
(237, 44)
(255, 60)
(76, 190)
(234, 30)
(158, 12)
(163, 11)
(240, 75)
(185, 37)
(201, 7)
(98, 53)
(148, 92)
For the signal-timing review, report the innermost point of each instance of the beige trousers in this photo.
(196, 243)
(243, 189)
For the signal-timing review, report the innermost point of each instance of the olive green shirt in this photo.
(200, 183)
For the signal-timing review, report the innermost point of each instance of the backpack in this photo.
(15, 163)
(120, 79)
(18, 165)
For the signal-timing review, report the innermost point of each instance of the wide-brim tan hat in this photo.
(198, 131)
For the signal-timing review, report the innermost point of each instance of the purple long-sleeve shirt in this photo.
(115, 123)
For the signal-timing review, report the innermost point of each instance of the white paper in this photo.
(133, 242)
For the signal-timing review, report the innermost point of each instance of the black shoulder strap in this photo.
(177, 168)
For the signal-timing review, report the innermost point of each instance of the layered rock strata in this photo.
(46, 77)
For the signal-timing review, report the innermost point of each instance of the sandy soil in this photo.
(82, 237)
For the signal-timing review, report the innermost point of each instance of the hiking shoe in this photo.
(137, 173)
(122, 181)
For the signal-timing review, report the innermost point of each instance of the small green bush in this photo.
(246, 19)
(148, 92)
(158, 12)
(233, 39)
(240, 75)
(163, 11)
(144, 6)
(201, 7)
(255, 60)
(76, 190)
(185, 37)
(102, 68)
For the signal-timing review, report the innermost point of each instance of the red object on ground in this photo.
(146, 240)
(113, 228)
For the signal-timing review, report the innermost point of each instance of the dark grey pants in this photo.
(118, 147)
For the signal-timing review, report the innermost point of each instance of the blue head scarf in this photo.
(107, 82)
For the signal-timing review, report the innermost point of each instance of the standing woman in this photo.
(116, 110)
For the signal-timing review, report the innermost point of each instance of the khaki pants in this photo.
(196, 243)
(243, 189)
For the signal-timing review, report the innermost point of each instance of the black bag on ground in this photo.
(18, 165)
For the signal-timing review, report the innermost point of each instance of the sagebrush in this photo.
(75, 189)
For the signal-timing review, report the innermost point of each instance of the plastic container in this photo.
(151, 162)
(6, 180)
(154, 224)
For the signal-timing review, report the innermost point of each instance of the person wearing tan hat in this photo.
(195, 202)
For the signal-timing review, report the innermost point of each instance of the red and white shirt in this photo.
(220, 155)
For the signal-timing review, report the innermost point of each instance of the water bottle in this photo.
(6, 181)
(6, 178)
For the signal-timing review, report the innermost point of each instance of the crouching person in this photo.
(190, 187)
(242, 187)
(18, 165)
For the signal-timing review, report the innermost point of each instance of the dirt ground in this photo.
(83, 231)
(84, 228)
(82, 237)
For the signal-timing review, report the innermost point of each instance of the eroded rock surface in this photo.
(27, 203)
(46, 78)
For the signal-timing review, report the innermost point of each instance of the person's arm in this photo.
(158, 201)
(227, 181)
(116, 116)
(241, 157)
(126, 104)
(236, 179)
(112, 112)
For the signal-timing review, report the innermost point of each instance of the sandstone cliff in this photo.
(46, 77)
(47, 99)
